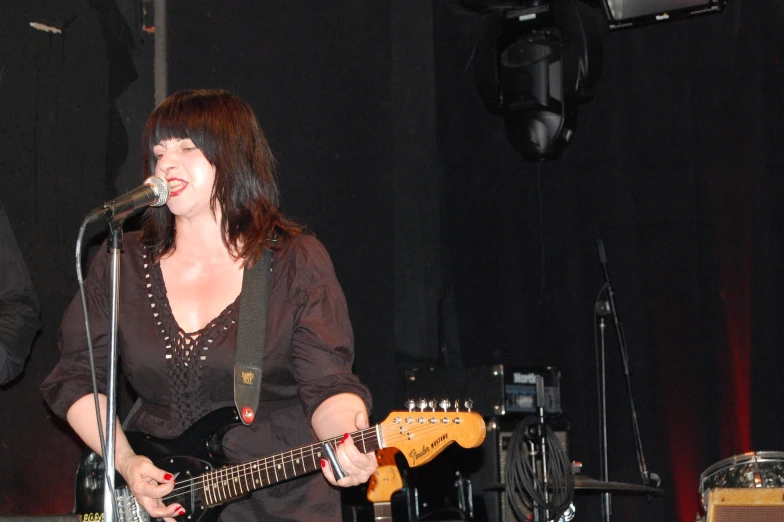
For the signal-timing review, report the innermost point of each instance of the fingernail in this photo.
(345, 437)
(323, 463)
(168, 476)
(181, 511)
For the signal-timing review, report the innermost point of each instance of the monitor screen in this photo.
(628, 13)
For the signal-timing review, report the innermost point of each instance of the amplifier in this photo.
(494, 390)
(744, 504)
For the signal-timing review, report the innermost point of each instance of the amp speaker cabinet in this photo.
(746, 504)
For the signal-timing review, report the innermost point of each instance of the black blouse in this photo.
(180, 376)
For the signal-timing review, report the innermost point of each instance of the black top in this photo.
(19, 308)
(180, 376)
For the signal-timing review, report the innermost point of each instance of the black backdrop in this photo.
(450, 247)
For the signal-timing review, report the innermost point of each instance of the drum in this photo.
(762, 469)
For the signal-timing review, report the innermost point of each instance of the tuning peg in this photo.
(457, 405)
(410, 405)
(421, 404)
(444, 404)
(469, 404)
(431, 404)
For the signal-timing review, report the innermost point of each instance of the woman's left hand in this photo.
(357, 466)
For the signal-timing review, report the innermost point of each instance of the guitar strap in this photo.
(250, 337)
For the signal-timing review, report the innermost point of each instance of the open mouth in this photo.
(176, 186)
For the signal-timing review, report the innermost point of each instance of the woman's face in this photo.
(189, 174)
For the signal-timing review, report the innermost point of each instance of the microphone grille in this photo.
(161, 189)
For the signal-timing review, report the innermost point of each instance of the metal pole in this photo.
(605, 474)
(160, 67)
(115, 248)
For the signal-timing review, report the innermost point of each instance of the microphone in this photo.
(602, 253)
(153, 192)
(610, 307)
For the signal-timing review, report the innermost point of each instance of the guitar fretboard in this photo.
(236, 481)
(382, 511)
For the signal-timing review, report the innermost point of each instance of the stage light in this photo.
(535, 62)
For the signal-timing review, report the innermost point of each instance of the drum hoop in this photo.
(742, 458)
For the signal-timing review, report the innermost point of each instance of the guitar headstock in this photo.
(386, 480)
(422, 434)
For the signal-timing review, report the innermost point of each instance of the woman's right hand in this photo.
(149, 484)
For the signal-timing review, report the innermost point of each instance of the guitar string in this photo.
(265, 464)
(244, 470)
(272, 461)
(390, 433)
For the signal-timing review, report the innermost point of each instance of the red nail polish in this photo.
(168, 476)
(181, 511)
(345, 437)
(323, 463)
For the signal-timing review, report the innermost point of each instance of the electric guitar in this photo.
(206, 481)
(383, 483)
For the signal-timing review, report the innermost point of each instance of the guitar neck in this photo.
(382, 511)
(237, 480)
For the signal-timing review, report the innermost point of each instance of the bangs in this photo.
(182, 118)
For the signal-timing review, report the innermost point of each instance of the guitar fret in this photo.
(245, 473)
(206, 488)
(222, 478)
(222, 484)
(227, 484)
(302, 460)
(257, 482)
(216, 487)
(212, 488)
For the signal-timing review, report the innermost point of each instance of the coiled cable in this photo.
(525, 485)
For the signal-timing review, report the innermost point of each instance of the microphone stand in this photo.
(153, 192)
(115, 245)
(646, 477)
(602, 309)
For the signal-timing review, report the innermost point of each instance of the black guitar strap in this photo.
(250, 337)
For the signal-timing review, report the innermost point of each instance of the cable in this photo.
(525, 486)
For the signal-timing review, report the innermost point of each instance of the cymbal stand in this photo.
(538, 436)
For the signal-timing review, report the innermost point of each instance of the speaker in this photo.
(745, 504)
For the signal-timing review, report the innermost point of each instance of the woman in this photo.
(180, 286)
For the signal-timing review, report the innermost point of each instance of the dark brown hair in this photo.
(225, 129)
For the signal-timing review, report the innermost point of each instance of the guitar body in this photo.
(196, 451)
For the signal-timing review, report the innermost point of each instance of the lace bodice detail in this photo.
(185, 352)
